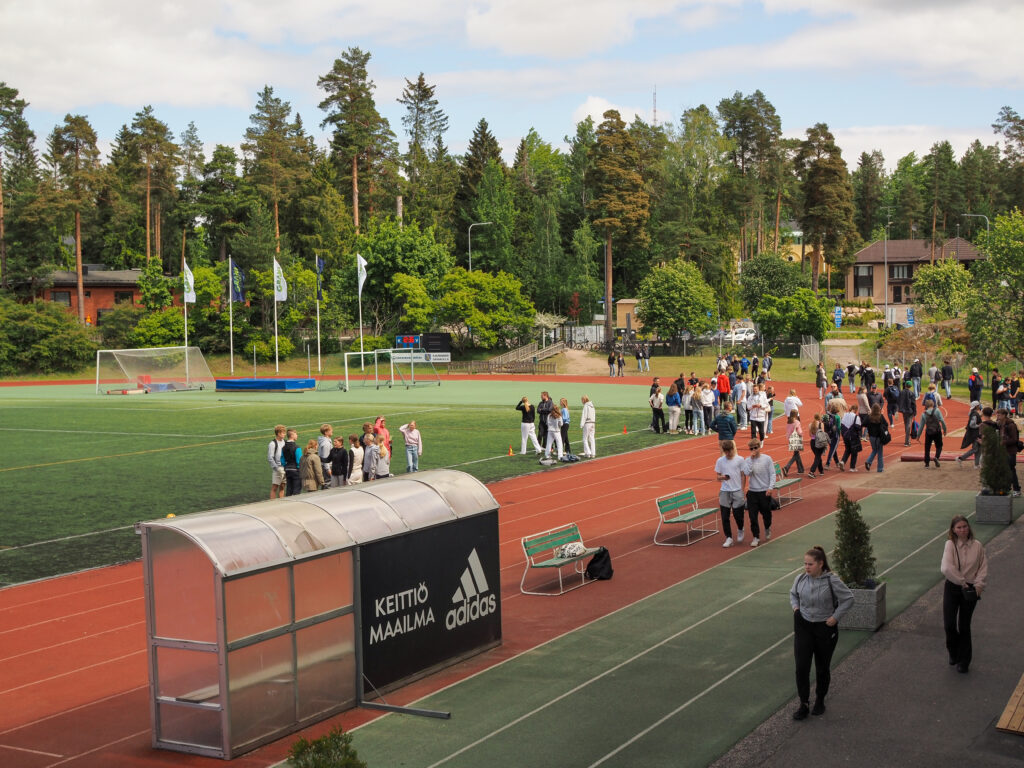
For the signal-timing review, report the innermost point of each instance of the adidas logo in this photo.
(470, 601)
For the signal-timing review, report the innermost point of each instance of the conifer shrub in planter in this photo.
(333, 750)
(994, 504)
(854, 562)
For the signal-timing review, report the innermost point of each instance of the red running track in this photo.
(73, 675)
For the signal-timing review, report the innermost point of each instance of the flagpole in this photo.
(316, 266)
(231, 314)
(276, 368)
(184, 297)
(361, 269)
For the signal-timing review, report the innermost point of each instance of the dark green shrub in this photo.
(854, 558)
(331, 751)
(42, 337)
(995, 464)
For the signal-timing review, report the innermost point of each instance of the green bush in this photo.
(854, 558)
(265, 348)
(371, 343)
(331, 751)
(995, 464)
(43, 337)
(119, 324)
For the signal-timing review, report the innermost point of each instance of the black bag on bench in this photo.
(600, 565)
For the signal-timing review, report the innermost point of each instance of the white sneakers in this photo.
(767, 534)
(728, 543)
(755, 542)
(739, 536)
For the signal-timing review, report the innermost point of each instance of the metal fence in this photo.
(810, 352)
(512, 366)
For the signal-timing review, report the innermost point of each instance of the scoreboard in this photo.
(410, 341)
(430, 342)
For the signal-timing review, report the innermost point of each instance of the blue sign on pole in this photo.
(839, 317)
(910, 317)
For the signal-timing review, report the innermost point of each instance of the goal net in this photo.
(389, 368)
(159, 369)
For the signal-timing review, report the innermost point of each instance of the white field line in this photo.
(74, 709)
(74, 671)
(69, 616)
(99, 748)
(30, 751)
(644, 652)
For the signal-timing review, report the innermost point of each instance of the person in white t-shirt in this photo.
(757, 412)
(791, 403)
(729, 472)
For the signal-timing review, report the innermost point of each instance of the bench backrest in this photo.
(540, 543)
(677, 501)
(778, 471)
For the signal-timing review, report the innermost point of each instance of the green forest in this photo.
(460, 241)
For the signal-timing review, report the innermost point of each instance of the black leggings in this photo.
(758, 428)
(816, 464)
(928, 441)
(688, 419)
(851, 451)
(813, 641)
(758, 501)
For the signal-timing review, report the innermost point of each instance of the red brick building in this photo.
(104, 288)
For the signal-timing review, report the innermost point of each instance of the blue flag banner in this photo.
(319, 278)
(237, 283)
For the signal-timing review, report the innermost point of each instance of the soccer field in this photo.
(80, 469)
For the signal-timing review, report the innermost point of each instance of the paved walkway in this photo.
(895, 700)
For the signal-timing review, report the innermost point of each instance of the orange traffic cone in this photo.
(510, 450)
(624, 429)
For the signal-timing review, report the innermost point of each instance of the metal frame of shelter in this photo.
(254, 619)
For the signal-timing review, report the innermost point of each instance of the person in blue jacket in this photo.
(725, 423)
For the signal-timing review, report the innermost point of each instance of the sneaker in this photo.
(754, 542)
(727, 543)
(936, 463)
(785, 472)
(1016, 493)
(802, 712)
(867, 466)
(959, 461)
(767, 534)
(812, 475)
(739, 536)
(853, 469)
(819, 708)
(842, 467)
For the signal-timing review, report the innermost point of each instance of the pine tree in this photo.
(868, 185)
(827, 217)
(77, 156)
(425, 122)
(854, 557)
(620, 205)
(361, 135)
(274, 161)
(221, 198)
(192, 163)
(17, 153)
(158, 155)
(483, 148)
(944, 192)
(996, 477)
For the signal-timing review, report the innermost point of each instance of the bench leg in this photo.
(577, 565)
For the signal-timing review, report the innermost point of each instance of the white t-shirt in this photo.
(757, 406)
(734, 469)
(790, 404)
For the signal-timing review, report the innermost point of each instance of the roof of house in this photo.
(903, 251)
(93, 275)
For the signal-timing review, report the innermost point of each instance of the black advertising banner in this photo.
(429, 596)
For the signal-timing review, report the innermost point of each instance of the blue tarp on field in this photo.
(265, 385)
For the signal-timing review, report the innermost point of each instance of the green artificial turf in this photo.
(80, 469)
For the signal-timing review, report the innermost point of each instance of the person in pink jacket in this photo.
(964, 565)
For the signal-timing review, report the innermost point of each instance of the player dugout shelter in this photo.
(265, 618)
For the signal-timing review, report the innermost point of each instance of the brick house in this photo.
(103, 288)
(866, 278)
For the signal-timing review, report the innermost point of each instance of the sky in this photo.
(892, 75)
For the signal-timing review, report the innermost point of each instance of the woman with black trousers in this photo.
(819, 600)
(963, 565)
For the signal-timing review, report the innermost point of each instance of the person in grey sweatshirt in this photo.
(819, 600)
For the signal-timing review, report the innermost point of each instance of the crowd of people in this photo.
(331, 462)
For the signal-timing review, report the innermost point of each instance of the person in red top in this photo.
(723, 387)
(380, 428)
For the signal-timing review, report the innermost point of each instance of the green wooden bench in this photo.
(681, 508)
(541, 550)
(787, 487)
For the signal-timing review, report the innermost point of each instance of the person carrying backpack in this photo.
(975, 384)
(892, 399)
(850, 428)
(934, 428)
(819, 444)
(907, 406)
(878, 436)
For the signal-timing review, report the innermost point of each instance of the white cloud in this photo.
(897, 141)
(596, 106)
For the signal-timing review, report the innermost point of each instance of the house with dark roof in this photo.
(901, 259)
(104, 288)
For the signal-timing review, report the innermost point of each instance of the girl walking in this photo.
(795, 436)
(878, 437)
(964, 565)
(819, 600)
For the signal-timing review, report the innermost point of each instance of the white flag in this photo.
(362, 272)
(190, 284)
(280, 284)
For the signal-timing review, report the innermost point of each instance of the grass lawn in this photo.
(79, 469)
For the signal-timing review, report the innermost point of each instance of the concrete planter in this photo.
(997, 510)
(868, 611)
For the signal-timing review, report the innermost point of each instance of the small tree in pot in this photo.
(994, 504)
(995, 464)
(854, 561)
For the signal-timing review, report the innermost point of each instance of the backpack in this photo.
(820, 439)
(600, 565)
(915, 430)
(851, 433)
(928, 397)
(932, 425)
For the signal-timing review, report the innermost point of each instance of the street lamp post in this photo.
(885, 261)
(469, 237)
(988, 228)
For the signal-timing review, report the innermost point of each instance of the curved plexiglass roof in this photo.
(262, 534)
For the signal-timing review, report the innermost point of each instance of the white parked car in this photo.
(741, 336)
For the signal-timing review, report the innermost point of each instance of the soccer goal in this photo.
(157, 369)
(389, 368)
